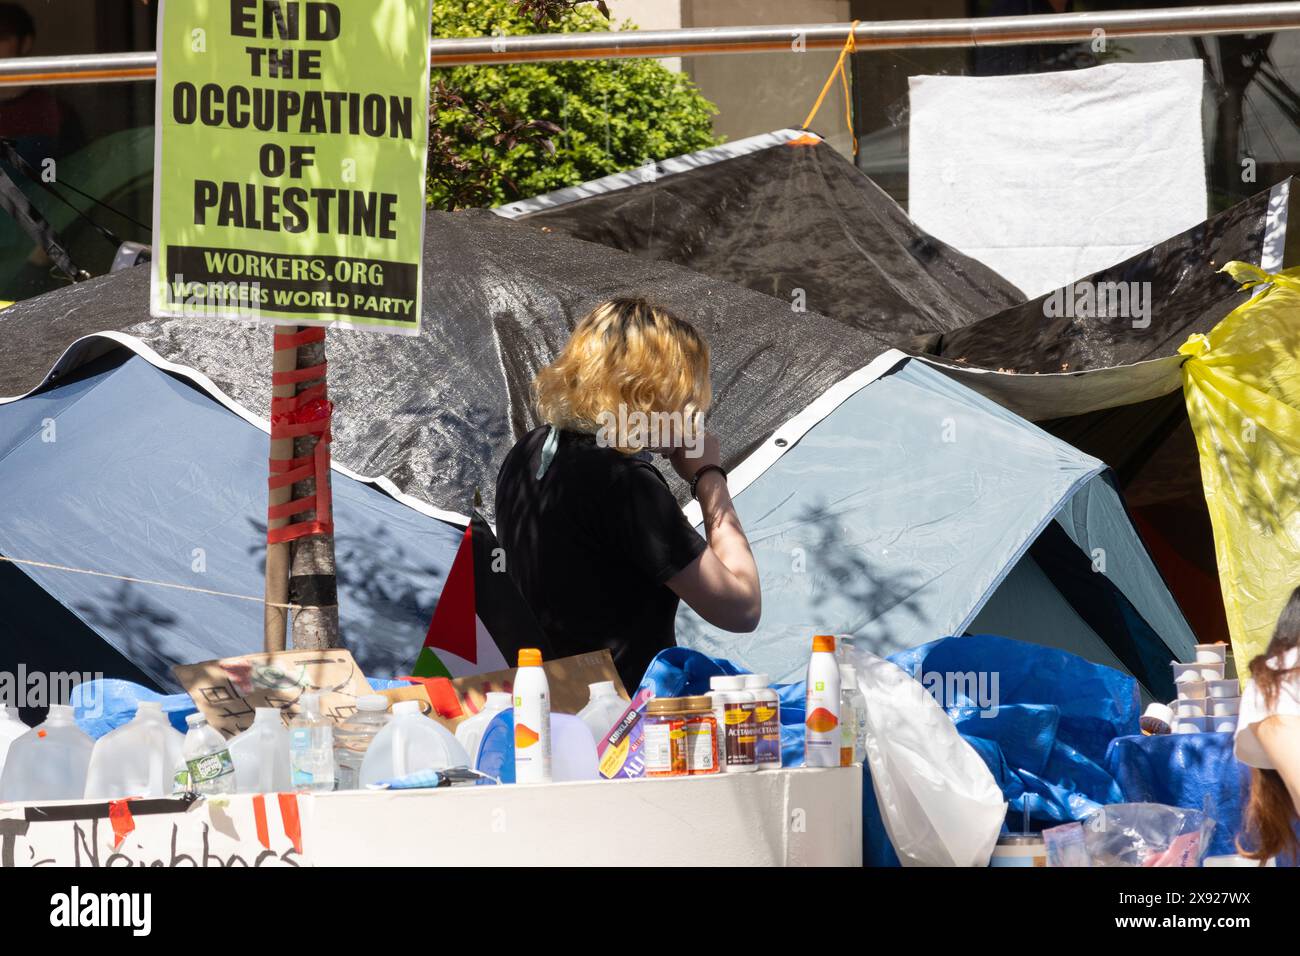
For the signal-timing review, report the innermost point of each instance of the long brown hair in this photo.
(1271, 813)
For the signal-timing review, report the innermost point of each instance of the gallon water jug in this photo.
(11, 728)
(48, 762)
(137, 759)
(353, 737)
(410, 742)
(261, 754)
(573, 752)
(603, 710)
(470, 732)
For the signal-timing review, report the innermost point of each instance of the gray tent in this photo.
(900, 507)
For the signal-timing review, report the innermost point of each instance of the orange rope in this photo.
(850, 46)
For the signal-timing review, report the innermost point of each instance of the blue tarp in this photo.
(1185, 770)
(1041, 719)
(130, 471)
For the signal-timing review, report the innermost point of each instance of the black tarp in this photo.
(786, 219)
(1186, 291)
(435, 414)
(1142, 432)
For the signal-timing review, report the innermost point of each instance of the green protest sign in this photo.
(291, 141)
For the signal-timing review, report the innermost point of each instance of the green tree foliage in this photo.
(500, 133)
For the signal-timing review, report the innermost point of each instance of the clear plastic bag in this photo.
(1132, 834)
(940, 804)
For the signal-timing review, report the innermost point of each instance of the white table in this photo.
(775, 818)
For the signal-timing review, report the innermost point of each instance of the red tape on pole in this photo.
(307, 413)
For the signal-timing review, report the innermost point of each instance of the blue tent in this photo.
(125, 469)
(901, 507)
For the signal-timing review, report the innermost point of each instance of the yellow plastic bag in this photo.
(1242, 386)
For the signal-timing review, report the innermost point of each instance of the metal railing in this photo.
(881, 35)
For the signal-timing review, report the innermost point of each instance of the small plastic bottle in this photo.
(532, 698)
(733, 707)
(859, 718)
(311, 747)
(848, 714)
(353, 737)
(822, 705)
(767, 721)
(700, 734)
(664, 741)
(211, 771)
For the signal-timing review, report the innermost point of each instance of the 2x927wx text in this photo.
(1193, 898)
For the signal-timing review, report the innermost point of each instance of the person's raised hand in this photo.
(687, 460)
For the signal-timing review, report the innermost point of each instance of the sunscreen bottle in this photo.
(821, 737)
(532, 698)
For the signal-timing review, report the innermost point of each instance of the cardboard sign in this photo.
(290, 148)
(246, 831)
(227, 691)
(568, 678)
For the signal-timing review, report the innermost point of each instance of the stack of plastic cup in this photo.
(1207, 702)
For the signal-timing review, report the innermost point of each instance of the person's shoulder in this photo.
(522, 450)
(619, 470)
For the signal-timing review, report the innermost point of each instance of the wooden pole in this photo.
(278, 555)
(313, 584)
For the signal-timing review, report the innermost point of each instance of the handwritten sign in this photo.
(227, 691)
(166, 833)
(290, 150)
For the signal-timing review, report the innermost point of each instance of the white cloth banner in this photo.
(1049, 177)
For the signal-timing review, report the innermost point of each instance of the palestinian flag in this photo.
(481, 619)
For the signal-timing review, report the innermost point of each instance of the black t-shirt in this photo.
(590, 546)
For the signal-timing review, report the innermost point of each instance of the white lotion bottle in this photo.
(532, 694)
(821, 736)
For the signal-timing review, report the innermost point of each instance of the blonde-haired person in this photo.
(593, 536)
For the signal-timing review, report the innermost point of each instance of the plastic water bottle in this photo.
(851, 691)
(210, 769)
(469, 733)
(261, 754)
(822, 706)
(410, 742)
(532, 693)
(48, 762)
(848, 714)
(11, 728)
(603, 709)
(311, 747)
(137, 759)
(353, 737)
